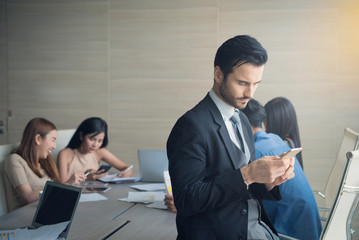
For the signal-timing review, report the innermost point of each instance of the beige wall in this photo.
(141, 64)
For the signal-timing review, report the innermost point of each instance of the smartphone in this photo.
(106, 168)
(291, 153)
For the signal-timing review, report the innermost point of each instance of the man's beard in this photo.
(226, 95)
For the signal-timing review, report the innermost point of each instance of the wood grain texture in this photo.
(141, 64)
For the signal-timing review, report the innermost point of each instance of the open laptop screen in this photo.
(57, 204)
(152, 163)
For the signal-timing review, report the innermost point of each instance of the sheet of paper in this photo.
(150, 187)
(167, 178)
(48, 232)
(113, 178)
(92, 197)
(144, 197)
(159, 205)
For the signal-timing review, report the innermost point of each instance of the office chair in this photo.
(63, 138)
(338, 225)
(350, 142)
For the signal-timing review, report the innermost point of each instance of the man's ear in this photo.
(218, 75)
(37, 139)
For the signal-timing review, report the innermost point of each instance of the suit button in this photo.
(244, 211)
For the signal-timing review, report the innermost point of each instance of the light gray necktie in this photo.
(236, 122)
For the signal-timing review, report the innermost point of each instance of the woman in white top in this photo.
(86, 149)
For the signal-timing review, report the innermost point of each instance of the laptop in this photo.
(57, 204)
(152, 163)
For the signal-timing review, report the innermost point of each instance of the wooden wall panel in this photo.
(303, 43)
(141, 64)
(160, 65)
(58, 62)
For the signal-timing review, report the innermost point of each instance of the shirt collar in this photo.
(259, 134)
(225, 110)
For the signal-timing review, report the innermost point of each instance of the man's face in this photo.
(240, 85)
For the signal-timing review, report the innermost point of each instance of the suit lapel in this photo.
(222, 131)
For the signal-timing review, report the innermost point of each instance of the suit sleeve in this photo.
(193, 191)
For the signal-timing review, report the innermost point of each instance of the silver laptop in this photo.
(152, 163)
(57, 204)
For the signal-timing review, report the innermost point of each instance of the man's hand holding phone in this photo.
(271, 170)
(290, 170)
(291, 153)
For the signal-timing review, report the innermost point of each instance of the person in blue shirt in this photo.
(296, 215)
(281, 119)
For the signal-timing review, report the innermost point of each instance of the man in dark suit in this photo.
(217, 185)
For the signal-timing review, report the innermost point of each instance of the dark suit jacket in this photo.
(209, 192)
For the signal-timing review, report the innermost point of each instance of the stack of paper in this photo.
(91, 197)
(113, 178)
(48, 232)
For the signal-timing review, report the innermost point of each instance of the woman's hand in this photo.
(76, 179)
(126, 173)
(94, 175)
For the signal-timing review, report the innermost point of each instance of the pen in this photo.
(87, 173)
(128, 168)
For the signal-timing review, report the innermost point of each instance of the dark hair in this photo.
(255, 113)
(27, 148)
(239, 50)
(282, 120)
(91, 125)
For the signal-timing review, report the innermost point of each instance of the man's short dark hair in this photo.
(239, 50)
(255, 113)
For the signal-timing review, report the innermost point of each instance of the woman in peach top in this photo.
(30, 165)
(86, 149)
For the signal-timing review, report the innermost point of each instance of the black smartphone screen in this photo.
(106, 168)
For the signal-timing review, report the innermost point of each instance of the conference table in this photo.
(107, 219)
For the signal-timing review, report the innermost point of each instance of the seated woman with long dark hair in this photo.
(86, 149)
(282, 120)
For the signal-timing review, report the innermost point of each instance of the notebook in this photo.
(151, 164)
(57, 204)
